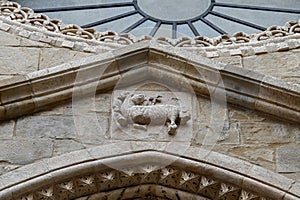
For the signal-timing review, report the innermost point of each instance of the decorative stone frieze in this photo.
(145, 178)
(24, 22)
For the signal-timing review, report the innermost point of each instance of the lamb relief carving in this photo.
(141, 111)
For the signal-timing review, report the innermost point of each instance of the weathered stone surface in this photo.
(18, 60)
(31, 43)
(263, 155)
(66, 146)
(246, 115)
(296, 188)
(51, 57)
(23, 151)
(284, 65)
(3, 77)
(293, 175)
(57, 110)
(46, 127)
(288, 159)
(102, 103)
(7, 39)
(230, 134)
(232, 60)
(6, 167)
(91, 128)
(297, 131)
(266, 132)
(7, 129)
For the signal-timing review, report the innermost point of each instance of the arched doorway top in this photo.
(107, 169)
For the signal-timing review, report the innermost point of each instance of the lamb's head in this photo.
(185, 116)
(137, 99)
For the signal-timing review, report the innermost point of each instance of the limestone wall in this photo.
(20, 55)
(250, 136)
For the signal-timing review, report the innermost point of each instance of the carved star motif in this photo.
(109, 176)
(225, 188)
(28, 197)
(148, 168)
(48, 192)
(69, 186)
(89, 180)
(186, 176)
(165, 172)
(247, 196)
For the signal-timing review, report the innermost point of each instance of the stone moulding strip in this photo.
(39, 27)
(87, 172)
(36, 91)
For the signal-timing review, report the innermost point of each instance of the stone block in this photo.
(51, 57)
(91, 128)
(236, 114)
(18, 60)
(7, 39)
(5, 167)
(3, 77)
(57, 110)
(46, 127)
(270, 177)
(99, 103)
(7, 129)
(31, 43)
(230, 134)
(265, 133)
(24, 151)
(231, 60)
(66, 146)
(284, 65)
(288, 158)
(102, 103)
(263, 155)
(296, 188)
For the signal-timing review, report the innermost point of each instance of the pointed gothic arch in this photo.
(129, 171)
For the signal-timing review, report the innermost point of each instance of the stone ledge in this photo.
(43, 88)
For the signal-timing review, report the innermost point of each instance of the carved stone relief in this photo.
(166, 183)
(13, 11)
(150, 115)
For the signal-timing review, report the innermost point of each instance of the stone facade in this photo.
(46, 129)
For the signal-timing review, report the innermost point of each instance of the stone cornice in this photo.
(36, 91)
(25, 23)
(107, 168)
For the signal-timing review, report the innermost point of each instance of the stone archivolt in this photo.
(13, 11)
(186, 178)
(166, 183)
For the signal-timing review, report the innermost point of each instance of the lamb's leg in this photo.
(172, 126)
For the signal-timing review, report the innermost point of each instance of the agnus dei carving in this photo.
(141, 111)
